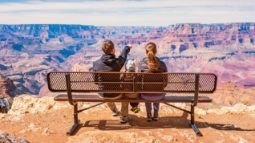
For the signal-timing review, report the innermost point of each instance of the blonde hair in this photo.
(107, 46)
(153, 62)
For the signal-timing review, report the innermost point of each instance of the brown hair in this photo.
(153, 62)
(107, 46)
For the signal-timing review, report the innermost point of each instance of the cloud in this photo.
(134, 12)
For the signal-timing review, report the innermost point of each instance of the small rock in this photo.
(2, 116)
(220, 141)
(242, 140)
(168, 138)
(238, 108)
(200, 111)
(217, 111)
(31, 125)
(49, 106)
(251, 108)
(46, 131)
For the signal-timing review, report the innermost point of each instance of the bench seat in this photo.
(96, 98)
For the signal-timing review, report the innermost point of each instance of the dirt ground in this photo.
(99, 126)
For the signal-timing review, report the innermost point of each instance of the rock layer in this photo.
(7, 92)
(29, 52)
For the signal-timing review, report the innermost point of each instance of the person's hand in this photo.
(129, 46)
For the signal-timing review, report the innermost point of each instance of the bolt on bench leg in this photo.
(192, 122)
(76, 123)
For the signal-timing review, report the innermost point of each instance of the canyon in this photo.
(29, 52)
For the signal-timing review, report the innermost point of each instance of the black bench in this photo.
(82, 86)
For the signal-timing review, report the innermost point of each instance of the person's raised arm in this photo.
(123, 56)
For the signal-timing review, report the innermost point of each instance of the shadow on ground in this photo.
(164, 122)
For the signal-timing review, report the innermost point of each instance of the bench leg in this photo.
(76, 123)
(192, 122)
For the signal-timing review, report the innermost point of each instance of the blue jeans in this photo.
(155, 109)
(148, 105)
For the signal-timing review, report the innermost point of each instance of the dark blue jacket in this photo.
(109, 63)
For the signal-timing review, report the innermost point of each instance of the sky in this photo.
(125, 12)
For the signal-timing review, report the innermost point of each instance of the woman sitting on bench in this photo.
(152, 64)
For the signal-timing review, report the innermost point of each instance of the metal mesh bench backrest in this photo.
(145, 82)
(141, 82)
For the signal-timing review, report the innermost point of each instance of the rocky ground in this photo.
(7, 138)
(43, 120)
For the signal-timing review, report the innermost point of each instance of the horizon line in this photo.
(190, 23)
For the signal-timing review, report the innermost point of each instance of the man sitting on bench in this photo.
(109, 63)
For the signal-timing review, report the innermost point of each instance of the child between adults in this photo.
(127, 78)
